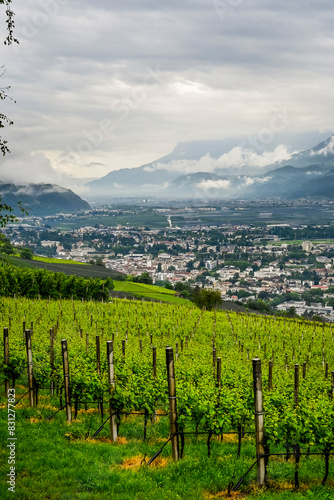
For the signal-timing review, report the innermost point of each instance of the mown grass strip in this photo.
(50, 260)
(149, 291)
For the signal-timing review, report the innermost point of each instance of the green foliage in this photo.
(204, 404)
(6, 246)
(258, 305)
(26, 253)
(4, 120)
(6, 211)
(208, 299)
(142, 278)
(153, 292)
(41, 283)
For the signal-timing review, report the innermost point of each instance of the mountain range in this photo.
(225, 169)
(42, 199)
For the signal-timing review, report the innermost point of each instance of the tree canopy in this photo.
(6, 211)
(208, 299)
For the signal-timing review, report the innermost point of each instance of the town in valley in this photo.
(244, 250)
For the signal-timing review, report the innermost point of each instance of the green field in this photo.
(300, 242)
(149, 292)
(135, 220)
(56, 459)
(50, 260)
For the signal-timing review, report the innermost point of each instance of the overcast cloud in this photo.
(106, 85)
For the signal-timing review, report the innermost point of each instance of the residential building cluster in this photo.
(243, 262)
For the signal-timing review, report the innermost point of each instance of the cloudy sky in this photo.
(102, 85)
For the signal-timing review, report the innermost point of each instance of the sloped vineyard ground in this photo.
(56, 459)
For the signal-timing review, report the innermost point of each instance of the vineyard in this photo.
(185, 376)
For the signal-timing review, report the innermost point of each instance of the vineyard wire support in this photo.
(111, 378)
(30, 368)
(172, 402)
(259, 426)
(21, 398)
(55, 413)
(66, 380)
(239, 483)
(100, 428)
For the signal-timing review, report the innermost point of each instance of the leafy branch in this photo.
(8, 216)
(10, 23)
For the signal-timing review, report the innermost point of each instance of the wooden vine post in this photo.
(66, 380)
(296, 386)
(219, 372)
(154, 352)
(296, 447)
(214, 360)
(172, 402)
(259, 426)
(111, 377)
(270, 380)
(52, 362)
(6, 357)
(98, 364)
(30, 369)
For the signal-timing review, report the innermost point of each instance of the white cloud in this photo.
(236, 158)
(30, 168)
(80, 64)
(214, 184)
(244, 157)
(329, 149)
(249, 181)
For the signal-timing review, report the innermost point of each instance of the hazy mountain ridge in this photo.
(174, 176)
(42, 199)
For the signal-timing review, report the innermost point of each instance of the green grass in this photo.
(149, 291)
(136, 220)
(299, 242)
(54, 461)
(51, 260)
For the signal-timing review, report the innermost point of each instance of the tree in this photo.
(6, 212)
(143, 278)
(3, 92)
(210, 299)
(26, 253)
(6, 246)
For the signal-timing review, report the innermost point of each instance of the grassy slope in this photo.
(50, 260)
(149, 291)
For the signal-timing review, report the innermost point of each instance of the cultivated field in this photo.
(69, 454)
